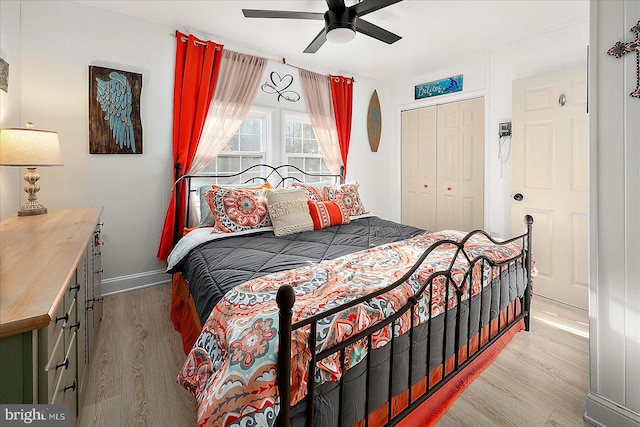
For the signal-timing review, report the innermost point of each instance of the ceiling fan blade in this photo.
(317, 42)
(376, 32)
(281, 14)
(368, 6)
(335, 4)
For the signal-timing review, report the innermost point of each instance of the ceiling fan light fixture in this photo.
(341, 35)
(340, 25)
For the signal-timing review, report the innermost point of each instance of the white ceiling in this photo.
(436, 34)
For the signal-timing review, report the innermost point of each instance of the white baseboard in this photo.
(131, 282)
(602, 412)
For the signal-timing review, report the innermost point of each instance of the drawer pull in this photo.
(65, 364)
(71, 387)
(76, 287)
(75, 326)
(65, 318)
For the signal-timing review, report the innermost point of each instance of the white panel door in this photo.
(419, 168)
(448, 165)
(460, 165)
(471, 165)
(550, 179)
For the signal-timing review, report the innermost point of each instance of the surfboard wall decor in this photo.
(374, 122)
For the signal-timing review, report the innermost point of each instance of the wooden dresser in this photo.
(50, 305)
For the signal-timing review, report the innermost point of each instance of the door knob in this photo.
(518, 197)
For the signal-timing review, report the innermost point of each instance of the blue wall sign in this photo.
(439, 87)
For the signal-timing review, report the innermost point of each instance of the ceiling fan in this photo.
(340, 22)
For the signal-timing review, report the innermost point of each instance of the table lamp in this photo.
(30, 148)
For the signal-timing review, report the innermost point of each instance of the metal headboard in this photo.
(277, 176)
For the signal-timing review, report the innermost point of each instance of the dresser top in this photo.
(38, 257)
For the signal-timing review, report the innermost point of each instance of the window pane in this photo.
(248, 161)
(308, 131)
(311, 146)
(293, 145)
(228, 163)
(312, 164)
(303, 150)
(250, 142)
(234, 144)
(296, 161)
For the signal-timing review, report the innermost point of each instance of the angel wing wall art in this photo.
(114, 111)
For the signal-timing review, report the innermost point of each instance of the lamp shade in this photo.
(29, 147)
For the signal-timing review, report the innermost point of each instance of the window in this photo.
(301, 147)
(248, 147)
(294, 143)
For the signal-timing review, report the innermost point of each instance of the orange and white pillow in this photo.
(327, 213)
(345, 195)
(237, 209)
(315, 192)
(206, 218)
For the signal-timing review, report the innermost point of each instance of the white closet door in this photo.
(460, 165)
(418, 168)
(471, 165)
(443, 166)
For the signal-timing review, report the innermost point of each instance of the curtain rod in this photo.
(197, 42)
(280, 61)
(284, 61)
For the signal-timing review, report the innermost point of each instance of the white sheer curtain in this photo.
(317, 93)
(235, 91)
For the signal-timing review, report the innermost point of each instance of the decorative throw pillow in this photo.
(289, 211)
(325, 214)
(237, 209)
(347, 197)
(315, 192)
(206, 216)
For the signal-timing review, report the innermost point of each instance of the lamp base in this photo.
(33, 206)
(31, 211)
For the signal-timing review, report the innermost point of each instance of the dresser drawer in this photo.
(65, 390)
(58, 348)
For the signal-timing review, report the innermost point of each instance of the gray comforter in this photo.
(215, 267)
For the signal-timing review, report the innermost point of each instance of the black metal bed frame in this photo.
(286, 299)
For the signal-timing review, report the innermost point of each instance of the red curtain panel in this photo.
(197, 67)
(342, 97)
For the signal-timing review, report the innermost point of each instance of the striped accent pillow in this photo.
(327, 213)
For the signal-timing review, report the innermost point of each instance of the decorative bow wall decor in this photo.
(620, 49)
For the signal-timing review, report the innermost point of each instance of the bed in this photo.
(365, 322)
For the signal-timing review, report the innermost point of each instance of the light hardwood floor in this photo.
(540, 379)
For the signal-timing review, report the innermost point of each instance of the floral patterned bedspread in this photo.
(231, 369)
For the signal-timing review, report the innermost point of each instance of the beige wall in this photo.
(10, 181)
